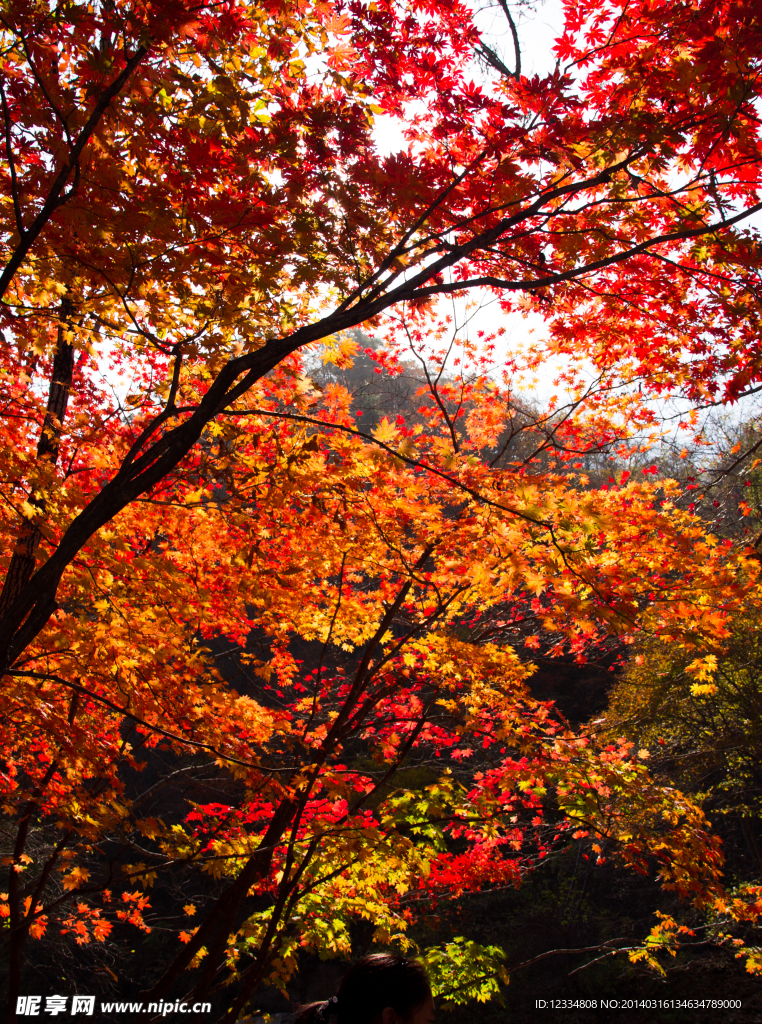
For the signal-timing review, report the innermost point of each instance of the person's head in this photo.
(379, 989)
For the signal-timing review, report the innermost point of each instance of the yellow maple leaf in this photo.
(76, 877)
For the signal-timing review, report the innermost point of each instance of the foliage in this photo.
(481, 966)
(698, 716)
(193, 199)
(697, 720)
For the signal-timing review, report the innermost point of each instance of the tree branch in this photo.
(55, 198)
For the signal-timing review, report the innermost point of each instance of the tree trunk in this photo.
(24, 556)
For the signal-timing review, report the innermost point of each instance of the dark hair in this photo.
(368, 987)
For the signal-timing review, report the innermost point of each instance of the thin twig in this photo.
(129, 714)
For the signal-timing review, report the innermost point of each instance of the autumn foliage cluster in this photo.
(267, 653)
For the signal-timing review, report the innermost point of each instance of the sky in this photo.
(538, 23)
(538, 26)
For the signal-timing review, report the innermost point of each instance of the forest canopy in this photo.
(290, 549)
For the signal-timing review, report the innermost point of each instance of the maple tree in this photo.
(193, 199)
(697, 715)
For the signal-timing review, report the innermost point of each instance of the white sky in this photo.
(537, 30)
(539, 23)
(538, 26)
